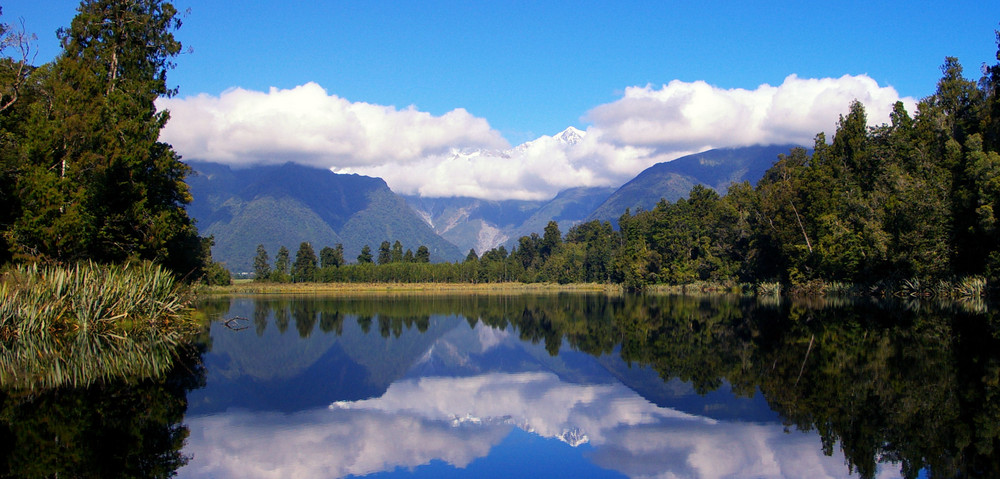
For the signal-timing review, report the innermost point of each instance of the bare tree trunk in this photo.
(803, 228)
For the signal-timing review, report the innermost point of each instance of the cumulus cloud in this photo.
(682, 116)
(307, 125)
(536, 170)
(458, 154)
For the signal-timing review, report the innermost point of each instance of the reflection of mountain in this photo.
(283, 371)
(309, 352)
(468, 351)
(334, 386)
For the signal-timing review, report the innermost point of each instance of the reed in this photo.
(73, 325)
(87, 296)
(768, 289)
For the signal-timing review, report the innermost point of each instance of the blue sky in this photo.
(529, 69)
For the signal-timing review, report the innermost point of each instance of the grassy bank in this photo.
(966, 287)
(253, 287)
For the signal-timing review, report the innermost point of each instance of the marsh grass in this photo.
(77, 324)
(958, 288)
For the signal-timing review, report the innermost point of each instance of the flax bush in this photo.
(77, 324)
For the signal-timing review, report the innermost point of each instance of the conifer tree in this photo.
(366, 255)
(261, 264)
(304, 268)
(281, 261)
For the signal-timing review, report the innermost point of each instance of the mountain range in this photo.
(288, 204)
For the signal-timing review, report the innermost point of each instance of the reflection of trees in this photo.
(118, 428)
(912, 387)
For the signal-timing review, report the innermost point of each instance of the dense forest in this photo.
(913, 202)
(83, 175)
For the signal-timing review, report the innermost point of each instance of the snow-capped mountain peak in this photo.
(571, 136)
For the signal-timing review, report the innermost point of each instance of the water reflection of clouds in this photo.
(324, 443)
(457, 420)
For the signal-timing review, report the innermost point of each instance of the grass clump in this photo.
(73, 325)
(87, 296)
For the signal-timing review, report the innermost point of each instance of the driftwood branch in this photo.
(233, 323)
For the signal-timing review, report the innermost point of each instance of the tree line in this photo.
(911, 202)
(307, 267)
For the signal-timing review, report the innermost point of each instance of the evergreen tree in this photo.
(471, 257)
(261, 264)
(281, 261)
(423, 255)
(551, 240)
(396, 255)
(304, 268)
(384, 253)
(332, 256)
(366, 255)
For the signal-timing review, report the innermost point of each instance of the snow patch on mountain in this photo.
(447, 223)
(489, 237)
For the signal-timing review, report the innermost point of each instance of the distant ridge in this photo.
(472, 223)
(672, 180)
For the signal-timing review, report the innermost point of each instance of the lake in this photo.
(555, 385)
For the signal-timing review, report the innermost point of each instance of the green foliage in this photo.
(261, 264)
(81, 149)
(366, 255)
(56, 324)
(304, 268)
(279, 274)
(214, 273)
(396, 254)
(423, 255)
(384, 253)
(331, 256)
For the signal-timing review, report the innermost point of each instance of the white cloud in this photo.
(696, 116)
(306, 125)
(418, 153)
(536, 170)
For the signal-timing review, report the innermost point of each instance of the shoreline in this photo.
(250, 287)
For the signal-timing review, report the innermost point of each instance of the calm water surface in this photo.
(540, 386)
